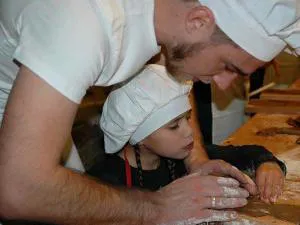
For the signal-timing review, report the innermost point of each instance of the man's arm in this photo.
(33, 186)
(36, 125)
(198, 155)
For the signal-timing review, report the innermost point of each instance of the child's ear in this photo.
(141, 143)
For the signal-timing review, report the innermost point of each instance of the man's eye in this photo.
(229, 69)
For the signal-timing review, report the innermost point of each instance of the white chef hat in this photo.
(144, 104)
(263, 28)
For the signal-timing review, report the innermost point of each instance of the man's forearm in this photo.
(36, 125)
(65, 197)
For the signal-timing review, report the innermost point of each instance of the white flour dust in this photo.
(292, 161)
(215, 217)
(230, 192)
(227, 181)
(292, 184)
(241, 222)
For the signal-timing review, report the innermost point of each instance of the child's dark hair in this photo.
(171, 166)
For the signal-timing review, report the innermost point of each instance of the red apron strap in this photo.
(127, 170)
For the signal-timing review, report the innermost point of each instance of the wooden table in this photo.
(286, 211)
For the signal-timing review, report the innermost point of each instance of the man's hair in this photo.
(218, 37)
(180, 52)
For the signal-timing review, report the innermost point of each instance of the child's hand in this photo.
(269, 180)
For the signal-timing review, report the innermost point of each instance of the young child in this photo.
(147, 136)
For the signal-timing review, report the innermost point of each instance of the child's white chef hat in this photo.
(144, 104)
(263, 28)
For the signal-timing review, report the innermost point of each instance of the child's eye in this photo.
(174, 127)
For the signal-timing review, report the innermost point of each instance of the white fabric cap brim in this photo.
(151, 96)
(160, 117)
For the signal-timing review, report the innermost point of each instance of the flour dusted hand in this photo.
(222, 168)
(199, 198)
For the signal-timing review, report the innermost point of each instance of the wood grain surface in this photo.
(273, 106)
(286, 211)
(281, 94)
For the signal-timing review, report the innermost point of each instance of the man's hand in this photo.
(196, 198)
(269, 179)
(222, 168)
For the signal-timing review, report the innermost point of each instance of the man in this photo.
(60, 48)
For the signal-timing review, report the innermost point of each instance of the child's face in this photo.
(173, 140)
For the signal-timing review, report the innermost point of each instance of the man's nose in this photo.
(224, 80)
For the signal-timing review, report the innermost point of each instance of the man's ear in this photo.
(200, 23)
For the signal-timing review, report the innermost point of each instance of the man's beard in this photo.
(176, 55)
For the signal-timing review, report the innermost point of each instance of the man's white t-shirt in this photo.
(74, 44)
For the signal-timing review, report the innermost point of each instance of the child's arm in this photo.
(258, 163)
(246, 157)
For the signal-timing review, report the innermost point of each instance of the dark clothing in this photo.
(203, 101)
(112, 170)
(247, 158)
(202, 95)
(257, 81)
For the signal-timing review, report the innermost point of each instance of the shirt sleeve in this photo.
(63, 43)
(245, 157)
